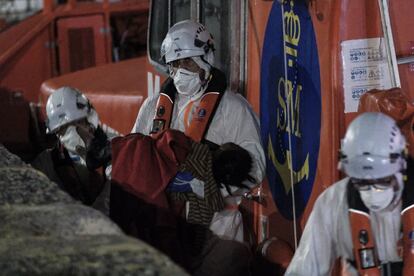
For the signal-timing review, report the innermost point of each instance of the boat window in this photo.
(222, 18)
(129, 35)
(180, 10)
(216, 17)
(14, 11)
(158, 29)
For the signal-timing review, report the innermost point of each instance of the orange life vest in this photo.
(364, 250)
(203, 114)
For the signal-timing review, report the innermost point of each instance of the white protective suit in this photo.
(327, 235)
(234, 121)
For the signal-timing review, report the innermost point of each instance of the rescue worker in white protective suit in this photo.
(362, 218)
(86, 148)
(194, 91)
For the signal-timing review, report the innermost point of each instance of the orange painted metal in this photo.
(24, 66)
(258, 12)
(27, 50)
(81, 41)
(402, 23)
(326, 24)
(48, 6)
(334, 22)
(87, 8)
(126, 83)
(116, 90)
(325, 20)
(323, 17)
(105, 9)
(71, 4)
(17, 37)
(359, 19)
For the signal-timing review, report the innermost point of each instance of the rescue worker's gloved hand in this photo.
(231, 166)
(98, 151)
(181, 183)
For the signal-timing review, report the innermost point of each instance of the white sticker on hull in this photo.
(365, 67)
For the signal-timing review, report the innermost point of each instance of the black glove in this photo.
(98, 151)
(231, 166)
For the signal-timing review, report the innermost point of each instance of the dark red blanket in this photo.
(144, 166)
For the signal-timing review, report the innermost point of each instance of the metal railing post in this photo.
(389, 43)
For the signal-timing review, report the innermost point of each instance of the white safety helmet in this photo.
(67, 105)
(373, 147)
(188, 39)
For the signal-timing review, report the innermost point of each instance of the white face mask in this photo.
(187, 82)
(71, 140)
(377, 200)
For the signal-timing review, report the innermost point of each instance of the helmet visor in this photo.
(371, 166)
(379, 184)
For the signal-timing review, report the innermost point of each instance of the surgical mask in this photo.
(377, 199)
(71, 140)
(187, 82)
